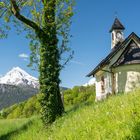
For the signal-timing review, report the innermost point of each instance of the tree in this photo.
(47, 23)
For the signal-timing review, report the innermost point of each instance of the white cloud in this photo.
(77, 62)
(23, 55)
(25, 59)
(90, 82)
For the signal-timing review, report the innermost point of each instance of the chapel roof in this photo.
(131, 55)
(117, 25)
(107, 59)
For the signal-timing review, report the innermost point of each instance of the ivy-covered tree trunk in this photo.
(47, 23)
(49, 68)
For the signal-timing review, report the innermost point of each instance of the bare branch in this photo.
(42, 1)
(16, 12)
(67, 60)
(3, 13)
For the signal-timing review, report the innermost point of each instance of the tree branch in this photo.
(43, 1)
(16, 12)
(3, 13)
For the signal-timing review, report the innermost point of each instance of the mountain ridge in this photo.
(17, 86)
(17, 76)
(12, 94)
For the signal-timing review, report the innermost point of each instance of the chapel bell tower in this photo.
(117, 34)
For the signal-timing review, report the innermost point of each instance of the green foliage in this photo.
(10, 126)
(35, 10)
(115, 118)
(72, 98)
(47, 23)
(79, 95)
(25, 109)
(2, 4)
(17, 111)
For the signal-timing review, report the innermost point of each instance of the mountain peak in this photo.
(17, 68)
(17, 76)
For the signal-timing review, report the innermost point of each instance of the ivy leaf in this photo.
(6, 19)
(2, 4)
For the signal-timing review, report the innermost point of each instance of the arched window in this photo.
(112, 36)
(102, 84)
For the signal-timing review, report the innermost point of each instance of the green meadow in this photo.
(116, 118)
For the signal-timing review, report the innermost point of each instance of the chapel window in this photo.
(102, 84)
(112, 36)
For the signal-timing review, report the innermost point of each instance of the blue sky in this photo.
(91, 38)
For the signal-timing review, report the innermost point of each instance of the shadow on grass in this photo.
(17, 131)
(135, 133)
(78, 106)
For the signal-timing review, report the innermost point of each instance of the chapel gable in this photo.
(131, 55)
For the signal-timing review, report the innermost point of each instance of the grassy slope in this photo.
(12, 126)
(113, 119)
(31, 107)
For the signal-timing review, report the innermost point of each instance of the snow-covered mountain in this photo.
(90, 82)
(19, 77)
(17, 86)
(11, 94)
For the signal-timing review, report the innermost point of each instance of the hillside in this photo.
(11, 94)
(17, 86)
(72, 98)
(113, 119)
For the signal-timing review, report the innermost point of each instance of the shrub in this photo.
(72, 97)
(78, 95)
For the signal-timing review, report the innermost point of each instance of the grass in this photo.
(117, 118)
(11, 126)
(31, 107)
